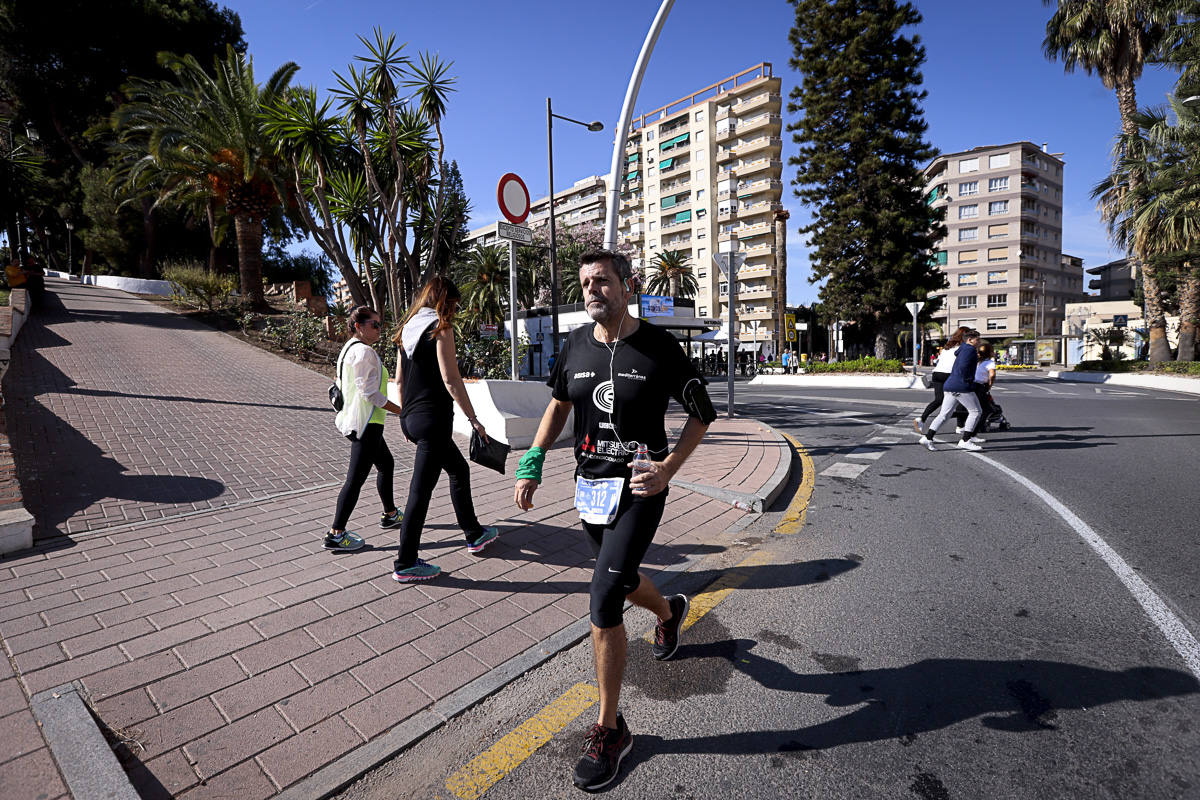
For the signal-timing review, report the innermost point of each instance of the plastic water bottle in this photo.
(641, 461)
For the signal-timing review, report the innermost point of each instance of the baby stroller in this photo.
(995, 420)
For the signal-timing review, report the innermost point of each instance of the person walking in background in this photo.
(429, 384)
(941, 371)
(959, 391)
(618, 376)
(362, 379)
(985, 378)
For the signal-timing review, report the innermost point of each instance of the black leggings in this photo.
(436, 451)
(619, 549)
(938, 379)
(366, 451)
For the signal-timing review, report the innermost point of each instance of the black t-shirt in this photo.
(424, 390)
(612, 416)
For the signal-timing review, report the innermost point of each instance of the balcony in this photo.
(725, 235)
(766, 121)
(632, 145)
(757, 101)
(680, 205)
(756, 271)
(665, 188)
(637, 234)
(676, 168)
(771, 144)
(672, 225)
(725, 133)
(756, 292)
(632, 184)
(725, 154)
(750, 231)
(675, 241)
(726, 214)
(758, 165)
(758, 207)
(758, 249)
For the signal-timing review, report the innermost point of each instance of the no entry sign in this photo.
(513, 198)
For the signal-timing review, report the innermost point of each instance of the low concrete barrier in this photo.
(509, 410)
(16, 524)
(841, 381)
(1173, 383)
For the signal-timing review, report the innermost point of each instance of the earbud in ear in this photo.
(629, 284)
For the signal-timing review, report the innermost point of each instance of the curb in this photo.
(760, 501)
(839, 381)
(341, 773)
(87, 763)
(1168, 383)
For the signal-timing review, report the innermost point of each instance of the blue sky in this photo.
(987, 79)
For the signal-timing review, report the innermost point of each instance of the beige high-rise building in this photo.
(1002, 254)
(703, 175)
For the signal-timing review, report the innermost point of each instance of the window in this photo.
(967, 323)
(968, 165)
(651, 224)
(701, 212)
(699, 175)
(651, 206)
(699, 116)
(997, 254)
(998, 161)
(998, 184)
(1029, 205)
(997, 277)
(997, 323)
(649, 135)
(968, 279)
(967, 301)
(997, 300)
(940, 258)
(700, 254)
(724, 287)
(968, 212)
(699, 136)
(704, 311)
(968, 234)
(998, 207)
(998, 231)
(968, 257)
(653, 242)
(699, 195)
(968, 188)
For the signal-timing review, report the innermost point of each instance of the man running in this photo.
(618, 375)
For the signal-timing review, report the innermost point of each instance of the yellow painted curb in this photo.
(793, 517)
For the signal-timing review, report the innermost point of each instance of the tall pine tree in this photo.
(861, 151)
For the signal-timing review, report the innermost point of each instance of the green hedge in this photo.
(866, 364)
(1163, 368)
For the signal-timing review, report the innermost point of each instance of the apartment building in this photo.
(1114, 280)
(703, 176)
(1002, 254)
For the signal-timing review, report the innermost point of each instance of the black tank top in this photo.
(424, 390)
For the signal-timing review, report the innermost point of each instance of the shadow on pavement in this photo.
(1020, 697)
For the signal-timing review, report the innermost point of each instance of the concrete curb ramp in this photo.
(1170, 383)
(83, 754)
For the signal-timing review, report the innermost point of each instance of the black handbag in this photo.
(335, 391)
(491, 454)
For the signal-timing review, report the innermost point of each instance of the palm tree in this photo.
(205, 133)
(673, 275)
(1114, 39)
(484, 281)
(433, 87)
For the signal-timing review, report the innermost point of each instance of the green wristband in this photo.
(530, 466)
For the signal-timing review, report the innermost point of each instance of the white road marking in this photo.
(883, 440)
(1160, 614)
(869, 453)
(844, 470)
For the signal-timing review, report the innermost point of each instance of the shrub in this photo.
(299, 332)
(194, 285)
(1179, 368)
(864, 364)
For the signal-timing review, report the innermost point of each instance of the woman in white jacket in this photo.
(363, 380)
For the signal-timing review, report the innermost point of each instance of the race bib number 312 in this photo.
(596, 499)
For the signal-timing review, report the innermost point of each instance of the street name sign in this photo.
(517, 233)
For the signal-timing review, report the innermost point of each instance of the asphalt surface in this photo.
(934, 630)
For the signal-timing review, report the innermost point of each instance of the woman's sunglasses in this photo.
(374, 323)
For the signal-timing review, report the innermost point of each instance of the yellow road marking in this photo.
(707, 599)
(793, 517)
(504, 756)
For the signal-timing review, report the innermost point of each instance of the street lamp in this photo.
(554, 299)
(1191, 102)
(70, 261)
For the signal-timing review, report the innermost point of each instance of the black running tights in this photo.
(366, 451)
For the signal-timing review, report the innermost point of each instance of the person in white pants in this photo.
(959, 390)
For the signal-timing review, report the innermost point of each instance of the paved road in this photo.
(933, 631)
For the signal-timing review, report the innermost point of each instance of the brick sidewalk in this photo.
(237, 654)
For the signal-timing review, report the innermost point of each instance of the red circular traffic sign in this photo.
(513, 198)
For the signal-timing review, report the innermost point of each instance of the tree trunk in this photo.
(885, 340)
(249, 242)
(1189, 314)
(148, 255)
(1156, 323)
(780, 218)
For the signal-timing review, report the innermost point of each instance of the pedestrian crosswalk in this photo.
(873, 448)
